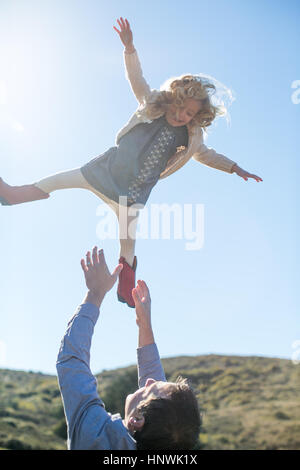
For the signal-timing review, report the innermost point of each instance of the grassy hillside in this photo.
(247, 402)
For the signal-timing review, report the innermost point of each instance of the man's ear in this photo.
(136, 423)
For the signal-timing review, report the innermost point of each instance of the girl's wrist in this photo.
(129, 49)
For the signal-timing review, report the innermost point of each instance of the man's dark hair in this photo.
(171, 423)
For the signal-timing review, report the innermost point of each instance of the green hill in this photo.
(247, 402)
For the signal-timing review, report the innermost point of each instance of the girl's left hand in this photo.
(244, 174)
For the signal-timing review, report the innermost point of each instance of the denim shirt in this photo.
(90, 426)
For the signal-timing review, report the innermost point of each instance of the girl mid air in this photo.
(162, 135)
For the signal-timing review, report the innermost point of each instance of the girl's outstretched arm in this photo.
(134, 71)
(210, 157)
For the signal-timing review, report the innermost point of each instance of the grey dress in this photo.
(133, 167)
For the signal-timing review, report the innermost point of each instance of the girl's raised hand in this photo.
(125, 32)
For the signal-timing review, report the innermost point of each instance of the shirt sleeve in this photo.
(89, 425)
(210, 157)
(134, 74)
(149, 364)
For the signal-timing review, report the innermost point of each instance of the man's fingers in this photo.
(117, 271)
(140, 292)
(95, 255)
(88, 259)
(135, 296)
(119, 32)
(102, 260)
(83, 265)
(144, 288)
(101, 256)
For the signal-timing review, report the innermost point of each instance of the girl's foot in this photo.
(127, 282)
(10, 195)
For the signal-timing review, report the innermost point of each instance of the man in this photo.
(159, 415)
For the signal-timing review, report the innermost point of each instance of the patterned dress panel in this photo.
(159, 147)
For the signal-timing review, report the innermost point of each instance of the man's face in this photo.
(152, 389)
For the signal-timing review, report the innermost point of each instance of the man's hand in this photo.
(125, 34)
(97, 276)
(244, 174)
(142, 300)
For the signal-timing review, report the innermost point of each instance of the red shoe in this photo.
(127, 282)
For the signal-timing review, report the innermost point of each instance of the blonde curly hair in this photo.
(199, 87)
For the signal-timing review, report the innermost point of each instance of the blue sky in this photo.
(64, 96)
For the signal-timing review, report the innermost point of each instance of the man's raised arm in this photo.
(85, 414)
(149, 364)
